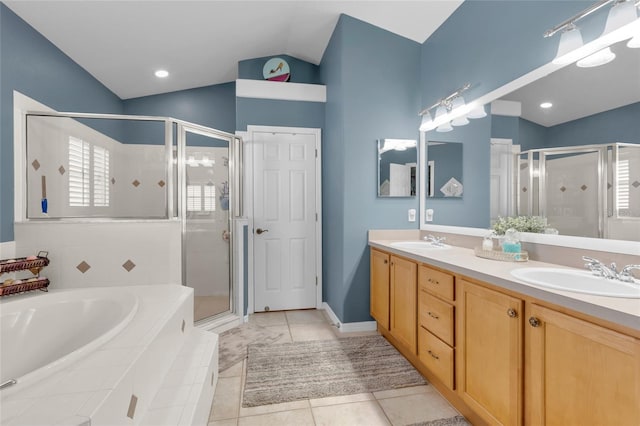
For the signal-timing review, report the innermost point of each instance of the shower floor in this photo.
(207, 306)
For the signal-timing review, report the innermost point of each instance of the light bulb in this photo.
(427, 123)
(570, 40)
(446, 127)
(601, 57)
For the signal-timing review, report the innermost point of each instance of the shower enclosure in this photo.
(588, 191)
(110, 168)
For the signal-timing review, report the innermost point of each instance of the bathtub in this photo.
(100, 356)
(44, 333)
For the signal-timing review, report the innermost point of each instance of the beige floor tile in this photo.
(273, 408)
(283, 418)
(304, 332)
(226, 400)
(268, 318)
(282, 329)
(310, 316)
(412, 390)
(233, 371)
(227, 422)
(341, 335)
(344, 399)
(366, 413)
(417, 408)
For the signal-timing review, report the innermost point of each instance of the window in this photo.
(201, 198)
(82, 171)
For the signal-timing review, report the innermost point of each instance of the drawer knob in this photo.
(433, 355)
(432, 281)
(512, 313)
(386, 261)
(535, 322)
(432, 315)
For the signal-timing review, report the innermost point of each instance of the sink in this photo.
(418, 245)
(577, 281)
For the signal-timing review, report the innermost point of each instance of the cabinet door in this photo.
(379, 303)
(489, 364)
(404, 304)
(579, 373)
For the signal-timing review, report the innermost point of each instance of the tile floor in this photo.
(393, 407)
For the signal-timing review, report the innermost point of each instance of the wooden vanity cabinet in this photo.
(436, 319)
(379, 291)
(489, 353)
(579, 373)
(403, 312)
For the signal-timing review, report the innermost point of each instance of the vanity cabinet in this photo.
(403, 306)
(379, 291)
(489, 363)
(579, 373)
(436, 319)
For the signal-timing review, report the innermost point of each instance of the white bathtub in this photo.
(97, 355)
(43, 333)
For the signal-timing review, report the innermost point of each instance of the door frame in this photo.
(248, 203)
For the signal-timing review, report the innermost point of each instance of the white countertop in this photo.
(623, 311)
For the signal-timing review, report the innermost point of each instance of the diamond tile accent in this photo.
(36, 164)
(83, 267)
(562, 188)
(161, 184)
(128, 265)
(583, 187)
(62, 170)
(524, 189)
(135, 183)
(609, 186)
(635, 184)
(113, 181)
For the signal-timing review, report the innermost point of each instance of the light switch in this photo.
(429, 214)
(412, 215)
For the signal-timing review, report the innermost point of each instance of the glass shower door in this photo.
(206, 216)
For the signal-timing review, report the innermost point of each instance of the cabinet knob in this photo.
(386, 261)
(512, 313)
(432, 281)
(433, 355)
(432, 315)
(535, 322)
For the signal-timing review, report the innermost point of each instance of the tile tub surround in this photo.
(103, 386)
(461, 260)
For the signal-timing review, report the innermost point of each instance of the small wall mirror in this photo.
(397, 162)
(444, 170)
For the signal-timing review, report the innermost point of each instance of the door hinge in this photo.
(316, 217)
(316, 152)
(316, 281)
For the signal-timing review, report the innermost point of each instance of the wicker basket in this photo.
(25, 285)
(523, 256)
(21, 264)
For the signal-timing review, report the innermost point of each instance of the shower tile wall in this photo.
(104, 254)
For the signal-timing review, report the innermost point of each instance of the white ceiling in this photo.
(121, 43)
(580, 92)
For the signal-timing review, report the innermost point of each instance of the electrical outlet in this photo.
(429, 214)
(412, 215)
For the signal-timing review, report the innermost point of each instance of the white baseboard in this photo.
(348, 327)
(8, 250)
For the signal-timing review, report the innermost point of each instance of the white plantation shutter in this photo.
(100, 177)
(194, 198)
(209, 197)
(622, 197)
(79, 193)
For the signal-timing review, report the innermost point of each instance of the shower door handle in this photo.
(260, 231)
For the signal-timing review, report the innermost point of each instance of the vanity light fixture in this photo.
(477, 112)
(622, 23)
(450, 110)
(162, 73)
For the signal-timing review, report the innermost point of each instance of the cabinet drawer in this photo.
(436, 282)
(437, 356)
(436, 316)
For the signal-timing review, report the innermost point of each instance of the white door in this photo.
(284, 220)
(400, 180)
(502, 191)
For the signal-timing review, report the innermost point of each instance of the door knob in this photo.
(260, 231)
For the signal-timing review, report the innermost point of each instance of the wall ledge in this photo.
(263, 89)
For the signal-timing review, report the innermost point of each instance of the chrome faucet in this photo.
(610, 272)
(435, 241)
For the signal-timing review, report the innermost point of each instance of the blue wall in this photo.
(447, 161)
(301, 71)
(32, 65)
(372, 76)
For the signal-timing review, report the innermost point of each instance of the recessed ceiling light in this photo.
(162, 73)
(546, 105)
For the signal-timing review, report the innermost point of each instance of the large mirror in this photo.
(444, 170)
(584, 146)
(397, 163)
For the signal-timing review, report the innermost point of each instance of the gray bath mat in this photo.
(317, 369)
(233, 343)
(452, 421)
